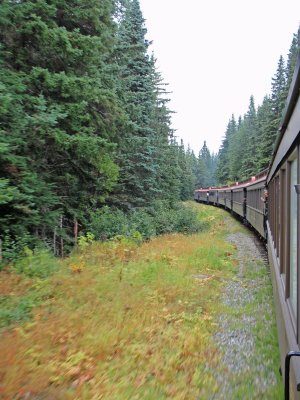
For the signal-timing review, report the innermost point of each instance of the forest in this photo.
(86, 142)
(254, 135)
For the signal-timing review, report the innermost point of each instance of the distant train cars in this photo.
(246, 199)
(270, 203)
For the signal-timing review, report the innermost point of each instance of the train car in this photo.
(202, 195)
(256, 204)
(283, 227)
(224, 197)
(238, 201)
(197, 195)
(213, 196)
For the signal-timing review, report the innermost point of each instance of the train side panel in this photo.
(283, 226)
(255, 207)
(224, 198)
(238, 201)
(213, 196)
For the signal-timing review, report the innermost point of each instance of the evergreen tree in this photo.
(267, 131)
(292, 59)
(249, 142)
(279, 92)
(138, 169)
(206, 167)
(147, 156)
(57, 152)
(187, 178)
(223, 172)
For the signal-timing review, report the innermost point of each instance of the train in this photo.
(270, 203)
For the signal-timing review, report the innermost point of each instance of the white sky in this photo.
(215, 55)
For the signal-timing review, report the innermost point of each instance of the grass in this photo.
(119, 321)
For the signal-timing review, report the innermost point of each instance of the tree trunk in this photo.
(61, 239)
(75, 230)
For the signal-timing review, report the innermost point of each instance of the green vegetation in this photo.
(84, 125)
(248, 143)
(158, 219)
(85, 129)
(122, 320)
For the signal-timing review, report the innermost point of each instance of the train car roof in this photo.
(238, 185)
(290, 124)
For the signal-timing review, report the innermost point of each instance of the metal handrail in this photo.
(287, 373)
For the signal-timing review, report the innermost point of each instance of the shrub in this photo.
(12, 248)
(107, 223)
(186, 220)
(141, 221)
(39, 263)
(163, 216)
(144, 223)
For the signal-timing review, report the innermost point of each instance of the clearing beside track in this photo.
(179, 317)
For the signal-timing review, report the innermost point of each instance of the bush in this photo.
(11, 248)
(158, 219)
(141, 221)
(107, 223)
(175, 218)
(186, 220)
(163, 216)
(39, 263)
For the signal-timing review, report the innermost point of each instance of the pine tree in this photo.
(279, 93)
(206, 167)
(58, 149)
(249, 142)
(138, 169)
(165, 146)
(267, 131)
(292, 59)
(187, 178)
(145, 146)
(223, 172)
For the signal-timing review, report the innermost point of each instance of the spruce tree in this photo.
(223, 172)
(165, 146)
(187, 178)
(58, 150)
(147, 157)
(206, 163)
(138, 169)
(267, 130)
(249, 141)
(279, 93)
(292, 58)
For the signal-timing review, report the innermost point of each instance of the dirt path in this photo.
(247, 325)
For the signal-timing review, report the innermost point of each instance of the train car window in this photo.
(283, 219)
(276, 219)
(293, 235)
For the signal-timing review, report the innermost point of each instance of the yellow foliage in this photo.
(128, 322)
(77, 267)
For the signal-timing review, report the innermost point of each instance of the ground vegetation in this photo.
(123, 319)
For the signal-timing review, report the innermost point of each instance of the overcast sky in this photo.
(215, 55)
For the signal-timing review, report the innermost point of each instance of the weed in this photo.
(39, 264)
(120, 319)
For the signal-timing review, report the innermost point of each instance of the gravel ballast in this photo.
(247, 321)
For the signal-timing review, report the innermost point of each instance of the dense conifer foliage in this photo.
(85, 127)
(84, 121)
(59, 115)
(247, 145)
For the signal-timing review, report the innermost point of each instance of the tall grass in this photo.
(119, 320)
